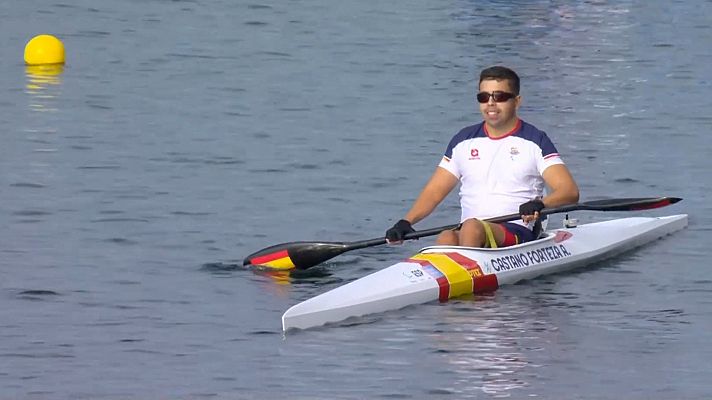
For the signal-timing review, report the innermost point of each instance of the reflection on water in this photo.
(485, 342)
(278, 277)
(44, 83)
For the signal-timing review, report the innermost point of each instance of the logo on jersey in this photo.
(474, 154)
(513, 152)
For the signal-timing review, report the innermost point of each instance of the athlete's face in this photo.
(500, 117)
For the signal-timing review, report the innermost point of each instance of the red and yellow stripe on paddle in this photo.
(456, 274)
(276, 260)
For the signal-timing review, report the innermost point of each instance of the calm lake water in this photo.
(182, 136)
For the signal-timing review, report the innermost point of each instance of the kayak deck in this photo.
(444, 272)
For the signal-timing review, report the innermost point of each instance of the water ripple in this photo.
(202, 132)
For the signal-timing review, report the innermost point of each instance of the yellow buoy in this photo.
(44, 49)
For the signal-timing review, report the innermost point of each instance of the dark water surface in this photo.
(184, 135)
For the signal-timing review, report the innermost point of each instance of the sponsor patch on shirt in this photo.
(474, 154)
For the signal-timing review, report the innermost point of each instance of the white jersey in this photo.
(499, 174)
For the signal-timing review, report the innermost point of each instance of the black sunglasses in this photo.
(498, 96)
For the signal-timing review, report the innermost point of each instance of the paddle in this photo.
(303, 255)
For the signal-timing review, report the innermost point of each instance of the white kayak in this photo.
(444, 272)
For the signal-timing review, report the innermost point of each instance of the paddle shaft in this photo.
(625, 204)
(303, 255)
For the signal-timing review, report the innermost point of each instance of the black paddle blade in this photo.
(299, 255)
(664, 201)
(629, 204)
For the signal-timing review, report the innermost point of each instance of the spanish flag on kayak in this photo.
(456, 274)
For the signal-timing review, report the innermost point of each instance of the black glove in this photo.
(397, 233)
(530, 207)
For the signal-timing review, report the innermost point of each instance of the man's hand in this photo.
(530, 210)
(397, 233)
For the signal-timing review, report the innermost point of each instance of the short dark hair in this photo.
(500, 73)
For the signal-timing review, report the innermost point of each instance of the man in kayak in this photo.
(503, 164)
